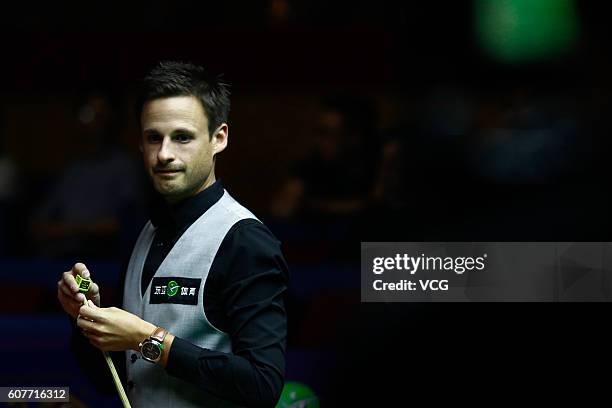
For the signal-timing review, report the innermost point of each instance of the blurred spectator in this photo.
(336, 177)
(95, 194)
(319, 208)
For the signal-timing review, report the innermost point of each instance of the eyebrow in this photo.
(183, 130)
(175, 131)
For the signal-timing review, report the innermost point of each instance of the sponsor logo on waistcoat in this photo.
(175, 290)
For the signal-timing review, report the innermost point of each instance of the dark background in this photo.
(463, 144)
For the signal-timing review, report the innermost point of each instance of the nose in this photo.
(165, 154)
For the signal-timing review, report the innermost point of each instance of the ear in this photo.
(219, 139)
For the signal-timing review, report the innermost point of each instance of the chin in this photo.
(170, 192)
(166, 190)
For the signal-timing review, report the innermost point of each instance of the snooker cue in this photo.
(116, 379)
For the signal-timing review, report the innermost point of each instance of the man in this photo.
(203, 293)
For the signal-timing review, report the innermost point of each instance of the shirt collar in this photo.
(179, 216)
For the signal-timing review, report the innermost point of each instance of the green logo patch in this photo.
(173, 288)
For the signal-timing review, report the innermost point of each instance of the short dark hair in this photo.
(171, 78)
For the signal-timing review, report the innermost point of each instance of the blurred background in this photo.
(351, 121)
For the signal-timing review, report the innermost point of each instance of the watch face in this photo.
(151, 350)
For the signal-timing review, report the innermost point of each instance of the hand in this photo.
(68, 290)
(113, 329)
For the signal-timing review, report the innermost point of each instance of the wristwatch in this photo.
(151, 348)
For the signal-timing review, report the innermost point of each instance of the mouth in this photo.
(167, 173)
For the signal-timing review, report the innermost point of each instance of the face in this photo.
(177, 150)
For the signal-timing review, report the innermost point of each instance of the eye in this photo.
(182, 137)
(153, 137)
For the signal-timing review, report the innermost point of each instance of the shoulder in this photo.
(249, 249)
(250, 236)
(250, 229)
(247, 228)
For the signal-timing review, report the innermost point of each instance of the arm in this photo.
(249, 276)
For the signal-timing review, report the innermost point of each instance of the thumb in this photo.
(91, 304)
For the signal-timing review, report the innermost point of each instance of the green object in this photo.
(522, 31)
(297, 395)
(173, 288)
(83, 283)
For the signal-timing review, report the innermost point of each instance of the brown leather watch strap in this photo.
(159, 334)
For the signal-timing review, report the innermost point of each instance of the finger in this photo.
(80, 269)
(95, 341)
(85, 324)
(65, 294)
(91, 313)
(69, 307)
(65, 289)
(68, 279)
(91, 335)
(94, 290)
(85, 273)
(69, 301)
